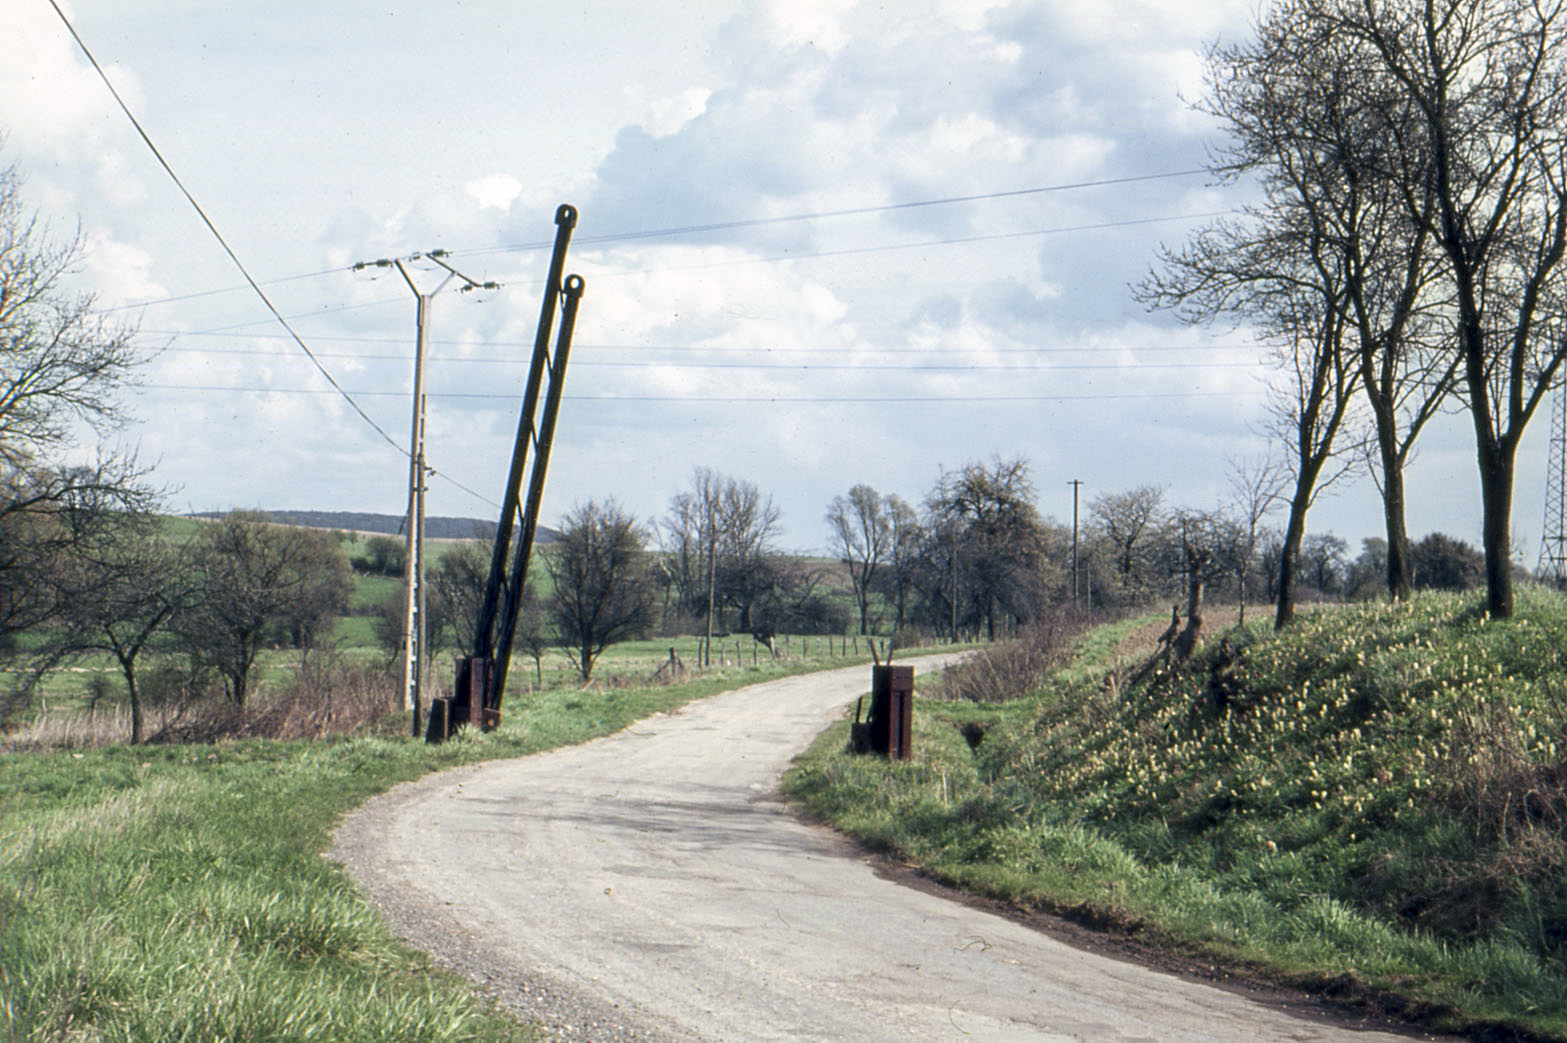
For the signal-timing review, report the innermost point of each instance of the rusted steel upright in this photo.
(572, 290)
(484, 637)
(892, 711)
(481, 678)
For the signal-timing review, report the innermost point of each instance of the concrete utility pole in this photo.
(414, 666)
(1076, 485)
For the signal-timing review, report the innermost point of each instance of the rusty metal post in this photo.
(481, 679)
(891, 720)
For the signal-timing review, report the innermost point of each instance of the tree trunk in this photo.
(1399, 580)
(1289, 554)
(712, 583)
(1289, 561)
(128, 667)
(1496, 463)
(1191, 636)
(1496, 494)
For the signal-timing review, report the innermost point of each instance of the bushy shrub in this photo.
(327, 698)
(1012, 669)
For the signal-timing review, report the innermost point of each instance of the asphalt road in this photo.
(652, 886)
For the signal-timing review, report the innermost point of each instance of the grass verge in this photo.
(163, 893)
(1372, 805)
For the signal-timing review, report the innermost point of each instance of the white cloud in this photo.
(669, 114)
(813, 23)
(118, 272)
(494, 191)
(52, 99)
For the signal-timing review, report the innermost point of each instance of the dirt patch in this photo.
(1144, 641)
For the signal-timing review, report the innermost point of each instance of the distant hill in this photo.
(391, 524)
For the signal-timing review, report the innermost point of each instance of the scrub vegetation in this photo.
(1371, 804)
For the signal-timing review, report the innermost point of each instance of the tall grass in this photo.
(1375, 800)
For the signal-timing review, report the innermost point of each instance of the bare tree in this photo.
(986, 519)
(603, 588)
(718, 542)
(1201, 541)
(903, 555)
(1258, 486)
(456, 594)
(257, 584)
(687, 538)
(1322, 553)
(62, 360)
(862, 536)
(1340, 265)
(1303, 102)
(62, 363)
(1485, 175)
(1123, 520)
(746, 548)
(1279, 271)
(121, 593)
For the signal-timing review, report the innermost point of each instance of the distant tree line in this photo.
(975, 559)
(435, 526)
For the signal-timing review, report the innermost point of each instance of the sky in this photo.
(824, 242)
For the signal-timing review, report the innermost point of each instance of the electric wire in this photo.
(768, 259)
(240, 265)
(854, 251)
(645, 349)
(723, 399)
(832, 367)
(859, 211)
(198, 294)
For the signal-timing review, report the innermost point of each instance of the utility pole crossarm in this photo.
(414, 666)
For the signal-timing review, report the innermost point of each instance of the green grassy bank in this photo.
(162, 893)
(1372, 804)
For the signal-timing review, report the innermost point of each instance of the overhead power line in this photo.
(198, 294)
(858, 211)
(771, 258)
(714, 399)
(878, 367)
(777, 352)
(243, 271)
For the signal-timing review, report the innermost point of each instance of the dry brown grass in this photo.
(326, 699)
(1012, 669)
(1144, 641)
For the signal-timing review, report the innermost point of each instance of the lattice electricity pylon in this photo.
(1553, 542)
(481, 677)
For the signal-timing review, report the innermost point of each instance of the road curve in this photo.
(653, 886)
